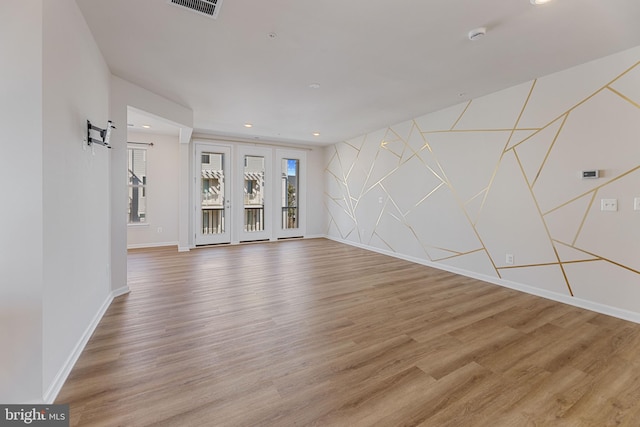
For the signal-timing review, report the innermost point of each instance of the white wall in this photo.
(162, 193)
(316, 213)
(21, 214)
(461, 188)
(123, 95)
(76, 187)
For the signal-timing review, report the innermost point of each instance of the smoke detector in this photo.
(477, 33)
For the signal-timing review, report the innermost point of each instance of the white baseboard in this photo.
(184, 248)
(120, 291)
(565, 299)
(151, 245)
(52, 392)
(317, 236)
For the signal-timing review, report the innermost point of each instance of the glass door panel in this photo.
(289, 192)
(212, 206)
(255, 175)
(253, 193)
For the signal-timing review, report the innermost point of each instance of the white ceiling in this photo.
(141, 121)
(377, 62)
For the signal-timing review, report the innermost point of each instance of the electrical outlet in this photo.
(159, 230)
(610, 205)
(509, 259)
(380, 200)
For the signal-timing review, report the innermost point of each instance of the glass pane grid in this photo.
(137, 179)
(254, 171)
(290, 193)
(212, 181)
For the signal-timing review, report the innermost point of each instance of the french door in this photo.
(254, 210)
(245, 193)
(213, 207)
(291, 169)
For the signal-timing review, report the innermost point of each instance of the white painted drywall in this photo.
(162, 192)
(125, 94)
(463, 187)
(21, 246)
(76, 185)
(316, 213)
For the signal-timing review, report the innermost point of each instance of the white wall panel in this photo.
(499, 110)
(468, 159)
(547, 277)
(605, 283)
(533, 151)
(628, 85)
(557, 93)
(537, 206)
(510, 222)
(441, 120)
(602, 232)
(599, 134)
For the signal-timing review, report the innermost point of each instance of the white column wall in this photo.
(76, 190)
(21, 245)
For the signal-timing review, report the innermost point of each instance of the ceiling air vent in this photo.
(208, 8)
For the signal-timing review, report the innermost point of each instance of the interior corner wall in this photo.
(316, 214)
(123, 95)
(21, 215)
(76, 188)
(162, 192)
(492, 188)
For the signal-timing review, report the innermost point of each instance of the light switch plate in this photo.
(636, 204)
(610, 205)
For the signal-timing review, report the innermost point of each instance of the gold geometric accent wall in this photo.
(497, 175)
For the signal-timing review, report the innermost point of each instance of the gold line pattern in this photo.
(546, 157)
(584, 217)
(347, 203)
(626, 98)
(479, 130)
(462, 114)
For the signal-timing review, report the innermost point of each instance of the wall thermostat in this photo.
(590, 174)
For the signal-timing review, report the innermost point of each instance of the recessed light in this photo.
(146, 126)
(314, 85)
(539, 2)
(316, 134)
(248, 125)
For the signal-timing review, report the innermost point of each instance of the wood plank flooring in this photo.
(313, 332)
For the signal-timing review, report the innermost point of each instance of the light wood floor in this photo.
(313, 332)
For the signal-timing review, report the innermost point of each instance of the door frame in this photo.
(227, 167)
(301, 156)
(238, 195)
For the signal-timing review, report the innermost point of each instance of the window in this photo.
(137, 179)
(290, 193)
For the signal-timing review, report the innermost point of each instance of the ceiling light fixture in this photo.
(314, 85)
(539, 2)
(146, 126)
(248, 125)
(316, 134)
